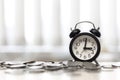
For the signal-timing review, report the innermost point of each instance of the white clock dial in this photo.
(79, 44)
(85, 47)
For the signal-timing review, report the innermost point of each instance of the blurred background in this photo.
(39, 29)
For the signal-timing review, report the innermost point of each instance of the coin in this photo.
(52, 66)
(117, 65)
(91, 66)
(16, 66)
(71, 69)
(35, 69)
(35, 64)
(72, 63)
(109, 66)
(9, 64)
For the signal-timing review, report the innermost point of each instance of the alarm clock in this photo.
(85, 46)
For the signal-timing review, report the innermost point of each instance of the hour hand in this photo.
(87, 48)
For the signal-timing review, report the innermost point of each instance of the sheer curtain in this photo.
(43, 26)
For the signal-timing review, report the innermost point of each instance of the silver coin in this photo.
(12, 64)
(109, 67)
(116, 65)
(71, 69)
(52, 66)
(72, 66)
(72, 63)
(91, 66)
(16, 66)
(35, 69)
(36, 64)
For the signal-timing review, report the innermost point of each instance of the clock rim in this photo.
(96, 54)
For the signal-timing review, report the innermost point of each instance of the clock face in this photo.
(85, 47)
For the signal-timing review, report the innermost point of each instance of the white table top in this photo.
(109, 74)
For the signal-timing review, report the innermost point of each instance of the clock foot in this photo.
(97, 64)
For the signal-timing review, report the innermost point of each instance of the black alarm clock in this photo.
(85, 46)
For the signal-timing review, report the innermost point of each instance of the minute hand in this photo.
(85, 43)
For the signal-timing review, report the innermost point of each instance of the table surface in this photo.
(107, 74)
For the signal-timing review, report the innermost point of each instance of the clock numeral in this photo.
(92, 52)
(80, 55)
(78, 44)
(89, 55)
(92, 43)
(94, 48)
(80, 40)
(77, 52)
(85, 57)
(75, 47)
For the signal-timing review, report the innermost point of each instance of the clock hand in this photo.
(88, 48)
(85, 43)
